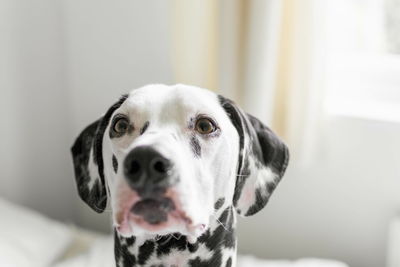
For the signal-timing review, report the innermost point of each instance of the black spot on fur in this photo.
(229, 262)
(115, 163)
(167, 243)
(219, 203)
(144, 128)
(230, 236)
(145, 251)
(204, 237)
(130, 241)
(195, 144)
(122, 253)
(193, 247)
(215, 260)
(129, 260)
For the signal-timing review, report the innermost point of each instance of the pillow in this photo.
(100, 253)
(28, 239)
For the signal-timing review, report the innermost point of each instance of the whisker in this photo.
(166, 240)
(218, 221)
(223, 226)
(176, 237)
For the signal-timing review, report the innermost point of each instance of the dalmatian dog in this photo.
(175, 165)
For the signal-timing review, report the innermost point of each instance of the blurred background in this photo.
(324, 74)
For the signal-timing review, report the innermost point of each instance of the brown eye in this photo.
(205, 126)
(121, 126)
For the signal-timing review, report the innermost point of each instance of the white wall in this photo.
(34, 113)
(112, 47)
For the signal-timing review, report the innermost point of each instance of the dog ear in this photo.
(263, 159)
(87, 155)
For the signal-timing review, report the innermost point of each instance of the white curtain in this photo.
(265, 55)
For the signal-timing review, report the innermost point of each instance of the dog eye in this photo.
(205, 126)
(121, 125)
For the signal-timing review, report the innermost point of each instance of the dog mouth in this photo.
(155, 215)
(153, 211)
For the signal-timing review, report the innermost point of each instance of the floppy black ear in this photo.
(263, 159)
(87, 155)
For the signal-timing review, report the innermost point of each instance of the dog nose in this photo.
(146, 170)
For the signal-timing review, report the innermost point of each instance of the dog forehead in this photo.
(178, 98)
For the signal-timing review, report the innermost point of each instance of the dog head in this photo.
(167, 157)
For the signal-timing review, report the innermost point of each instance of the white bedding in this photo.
(28, 239)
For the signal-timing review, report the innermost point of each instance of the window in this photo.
(363, 58)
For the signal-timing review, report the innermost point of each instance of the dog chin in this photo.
(176, 223)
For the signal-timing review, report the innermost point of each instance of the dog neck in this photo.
(215, 247)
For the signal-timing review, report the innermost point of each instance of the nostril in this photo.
(160, 166)
(134, 167)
